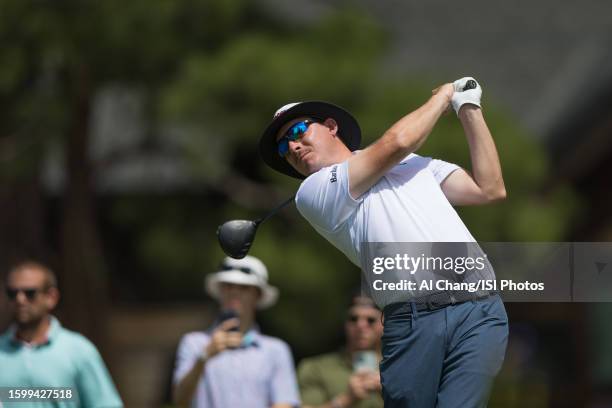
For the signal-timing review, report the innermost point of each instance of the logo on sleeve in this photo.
(334, 172)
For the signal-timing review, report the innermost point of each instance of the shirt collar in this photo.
(252, 337)
(54, 329)
(52, 333)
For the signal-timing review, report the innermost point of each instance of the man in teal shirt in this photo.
(36, 352)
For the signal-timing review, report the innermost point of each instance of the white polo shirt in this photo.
(405, 205)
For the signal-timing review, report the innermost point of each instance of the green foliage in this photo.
(223, 99)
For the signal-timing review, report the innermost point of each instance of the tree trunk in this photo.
(21, 227)
(84, 283)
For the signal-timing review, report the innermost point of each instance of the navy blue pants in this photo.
(442, 358)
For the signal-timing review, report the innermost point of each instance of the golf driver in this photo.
(236, 236)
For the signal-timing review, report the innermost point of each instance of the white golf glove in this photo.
(461, 97)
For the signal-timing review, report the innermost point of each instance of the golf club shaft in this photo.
(274, 210)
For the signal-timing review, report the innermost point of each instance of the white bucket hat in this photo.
(246, 271)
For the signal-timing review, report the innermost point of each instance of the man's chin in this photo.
(364, 346)
(26, 320)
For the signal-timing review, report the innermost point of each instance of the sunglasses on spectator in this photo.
(293, 133)
(30, 293)
(354, 319)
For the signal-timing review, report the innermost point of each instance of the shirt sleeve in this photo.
(186, 355)
(324, 198)
(441, 169)
(283, 385)
(94, 384)
(311, 389)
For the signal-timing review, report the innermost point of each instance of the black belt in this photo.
(435, 301)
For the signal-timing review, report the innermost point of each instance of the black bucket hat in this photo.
(348, 130)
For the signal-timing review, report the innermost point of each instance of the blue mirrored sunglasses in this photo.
(293, 133)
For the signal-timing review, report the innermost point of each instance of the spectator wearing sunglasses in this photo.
(232, 364)
(36, 351)
(348, 377)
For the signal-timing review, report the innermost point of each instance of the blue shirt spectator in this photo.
(36, 351)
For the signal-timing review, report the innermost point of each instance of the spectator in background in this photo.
(233, 364)
(348, 377)
(36, 351)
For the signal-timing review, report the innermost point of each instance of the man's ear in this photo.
(53, 297)
(331, 125)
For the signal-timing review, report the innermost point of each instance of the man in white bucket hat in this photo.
(249, 272)
(233, 364)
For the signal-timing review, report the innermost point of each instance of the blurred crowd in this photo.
(229, 364)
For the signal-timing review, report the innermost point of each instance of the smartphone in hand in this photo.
(226, 315)
(365, 361)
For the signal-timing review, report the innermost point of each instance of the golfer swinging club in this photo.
(442, 353)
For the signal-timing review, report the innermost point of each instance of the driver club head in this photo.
(236, 237)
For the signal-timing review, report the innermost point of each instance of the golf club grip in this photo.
(470, 84)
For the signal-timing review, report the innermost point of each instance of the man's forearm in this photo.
(486, 168)
(185, 388)
(403, 138)
(411, 131)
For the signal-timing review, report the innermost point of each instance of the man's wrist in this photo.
(443, 99)
(203, 356)
(469, 111)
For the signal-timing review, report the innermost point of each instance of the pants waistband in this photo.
(434, 301)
